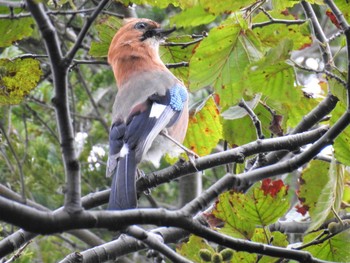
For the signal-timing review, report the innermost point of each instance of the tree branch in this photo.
(48, 223)
(156, 242)
(238, 154)
(308, 121)
(60, 101)
(319, 34)
(70, 55)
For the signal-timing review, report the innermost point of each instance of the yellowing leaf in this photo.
(17, 79)
(263, 208)
(244, 257)
(204, 130)
(262, 205)
(191, 248)
(234, 225)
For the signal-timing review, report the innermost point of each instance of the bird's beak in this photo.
(157, 32)
(160, 32)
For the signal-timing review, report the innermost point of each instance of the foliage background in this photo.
(288, 60)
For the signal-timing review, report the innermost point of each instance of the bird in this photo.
(150, 112)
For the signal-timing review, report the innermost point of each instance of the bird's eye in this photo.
(141, 25)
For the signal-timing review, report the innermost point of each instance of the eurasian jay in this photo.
(150, 101)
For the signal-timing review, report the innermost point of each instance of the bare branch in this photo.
(156, 242)
(60, 101)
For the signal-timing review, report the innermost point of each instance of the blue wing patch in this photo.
(178, 96)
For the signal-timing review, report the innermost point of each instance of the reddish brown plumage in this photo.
(127, 54)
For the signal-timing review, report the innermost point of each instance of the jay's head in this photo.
(140, 31)
(135, 47)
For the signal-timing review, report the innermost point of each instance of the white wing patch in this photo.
(124, 151)
(157, 110)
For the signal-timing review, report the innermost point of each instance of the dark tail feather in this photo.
(123, 189)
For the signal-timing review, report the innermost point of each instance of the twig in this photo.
(35, 114)
(77, 62)
(278, 21)
(319, 34)
(18, 253)
(255, 119)
(156, 242)
(35, 56)
(92, 101)
(308, 121)
(13, 4)
(328, 73)
(70, 55)
(177, 65)
(20, 169)
(182, 45)
(345, 26)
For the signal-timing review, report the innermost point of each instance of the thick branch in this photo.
(48, 223)
(289, 143)
(60, 101)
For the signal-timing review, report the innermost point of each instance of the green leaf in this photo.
(244, 257)
(191, 248)
(18, 78)
(313, 179)
(237, 112)
(293, 115)
(264, 206)
(342, 142)
(220, 59)
(204, 130)
(242, 131)
(344, 7)
(223, 6)
(338, 89)
(175, 54)
(107, 26)
(272, 35)
(283, 4)
(273, 76)
(192, 17)
(263, 235)
(335, 249)
(234, 225)
(12, 30)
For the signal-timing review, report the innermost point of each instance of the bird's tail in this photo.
(123, 189)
